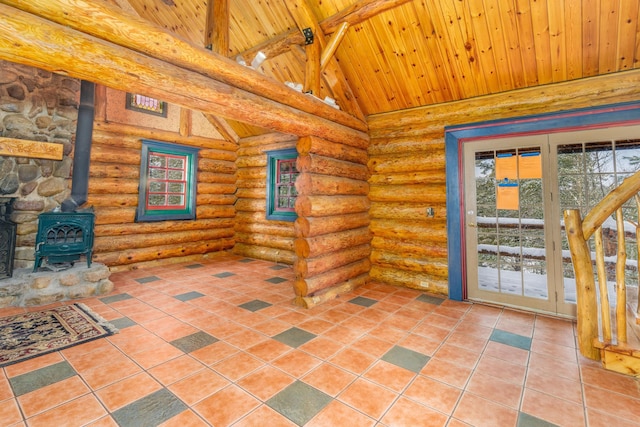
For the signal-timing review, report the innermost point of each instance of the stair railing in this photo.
(579, 231)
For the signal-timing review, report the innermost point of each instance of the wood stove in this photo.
(7, 238)
(63, 237)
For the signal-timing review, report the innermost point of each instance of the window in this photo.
(167, 182)
(281, 190)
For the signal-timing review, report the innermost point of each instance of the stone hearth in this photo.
(27, 289)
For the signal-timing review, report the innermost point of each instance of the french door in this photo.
(515, 190)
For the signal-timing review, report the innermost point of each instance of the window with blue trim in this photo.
(167, 182)
(281, 190)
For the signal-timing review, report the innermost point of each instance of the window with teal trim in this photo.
(167, 182)
(281, 190)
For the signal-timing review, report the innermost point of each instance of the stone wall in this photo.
(40, 106)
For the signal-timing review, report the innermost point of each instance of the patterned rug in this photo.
(28, 335)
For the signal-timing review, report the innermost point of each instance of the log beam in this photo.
(104, 21)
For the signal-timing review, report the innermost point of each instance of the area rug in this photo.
(27, 335)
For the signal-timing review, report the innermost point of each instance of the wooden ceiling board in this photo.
(427, 52)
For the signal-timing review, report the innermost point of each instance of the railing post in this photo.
(585, 285)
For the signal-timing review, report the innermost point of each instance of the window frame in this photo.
(144, 213)
(273, 159)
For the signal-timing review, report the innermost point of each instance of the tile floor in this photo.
(219, 343)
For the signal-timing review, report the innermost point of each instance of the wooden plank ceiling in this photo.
(418, 52)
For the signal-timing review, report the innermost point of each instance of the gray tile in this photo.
(188, 296)
(299, 402)
(276, 280)
(365, 302)
(255, 305)
(279, 267)
(147, 279)
(405, 358)
(150, 411)
(223, 275)
(115, 298)
(192, 266)
(294, 337)
(194, 341)
(246, 260)
(34, 380)
(123, 322)
(509, 338)
(430, 299)
(526, 420)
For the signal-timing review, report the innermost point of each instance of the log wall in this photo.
(255, 236)
(114, 176)
(409, 247)
(332, 245)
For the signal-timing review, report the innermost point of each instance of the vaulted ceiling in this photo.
(397, 54)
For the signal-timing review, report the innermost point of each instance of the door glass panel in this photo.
(511, 236)
(587, 172)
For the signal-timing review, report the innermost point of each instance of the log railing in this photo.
(597, 325)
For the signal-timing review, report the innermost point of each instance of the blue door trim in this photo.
(455, 136)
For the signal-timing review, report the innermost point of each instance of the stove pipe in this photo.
(82, 150)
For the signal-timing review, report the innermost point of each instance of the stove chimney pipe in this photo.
(82, 150)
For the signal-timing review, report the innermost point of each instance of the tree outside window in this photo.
(167, 182)
(281, 191)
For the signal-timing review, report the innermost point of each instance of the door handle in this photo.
(471, 224)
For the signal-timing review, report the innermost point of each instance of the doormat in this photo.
(28, 335)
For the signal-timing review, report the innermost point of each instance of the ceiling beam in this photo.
(355, 14)
(216, 34)
(305, 18)
(30, 40)
(109, 23)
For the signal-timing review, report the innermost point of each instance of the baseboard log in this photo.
(313, 163)
(162, 135)
(309, 183)
(431, 231)
(418, 193)
(402, 163)
(148, 240)
(215, 199)
(334, 150)
(218, 166)
(112, 200)
(309, 267)
(315, 206)
(404, 178)
(437, 270)
(162, 227)
(332, 292)
(409, 279)
(406, 210)
(132, 256)
(269, 229)
(268, 254)
(251, 205)
(164, 262)
(434, 251)
(316, 246)
(268, 241)
(308, 286)
(311, 227)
